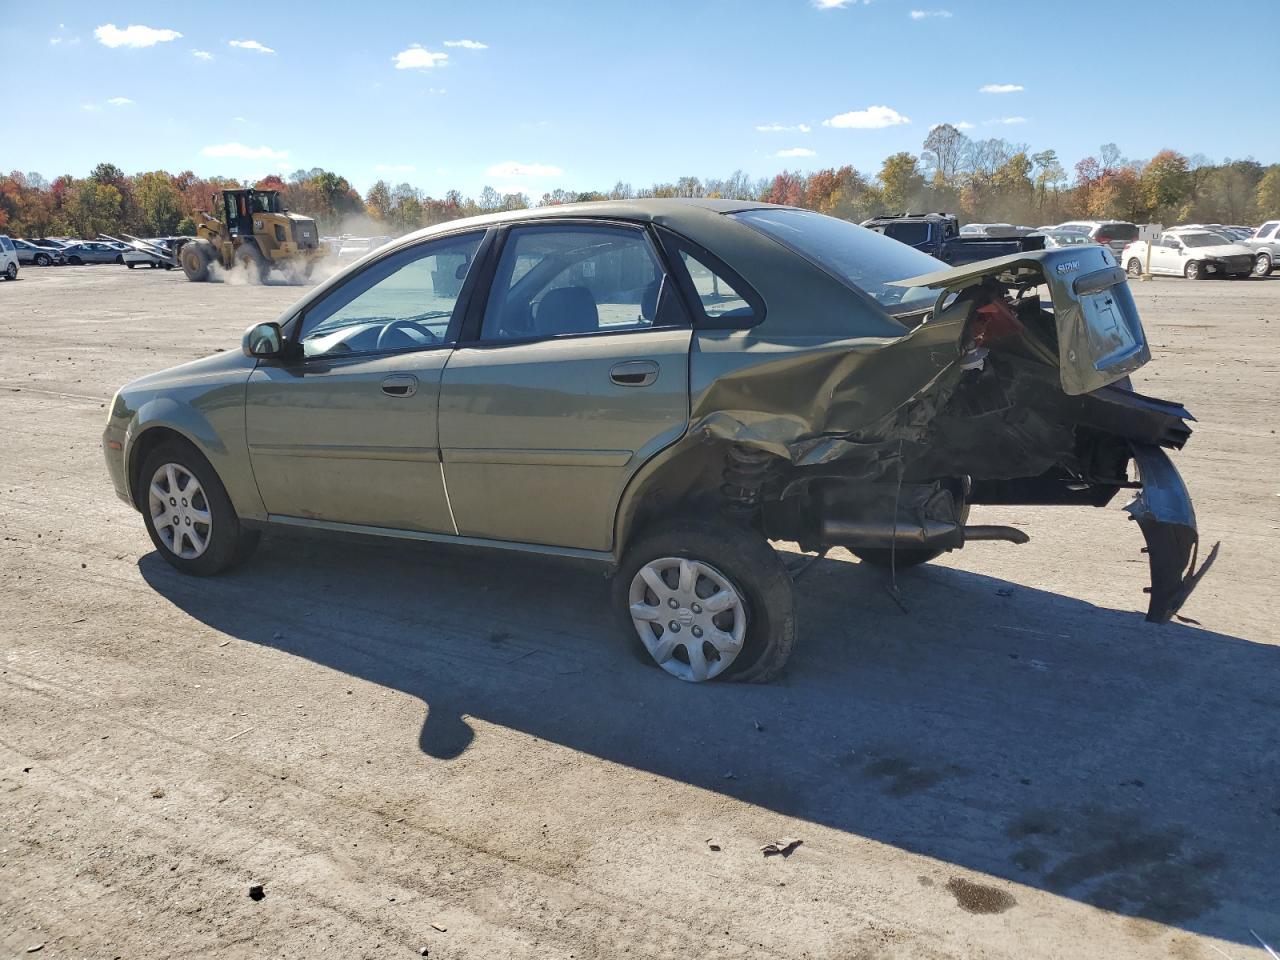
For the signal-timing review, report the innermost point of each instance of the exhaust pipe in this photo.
(932, 534)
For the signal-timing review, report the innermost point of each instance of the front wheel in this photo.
(1192, 270)
(11, 271)
(1262, 265)
(704, 599)
(42, 260)
(130, 265)
(196, 257)
(1134, 268)
(188, 514)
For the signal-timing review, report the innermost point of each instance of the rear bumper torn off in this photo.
(1168, 520)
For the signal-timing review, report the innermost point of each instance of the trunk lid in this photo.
(1100, 336)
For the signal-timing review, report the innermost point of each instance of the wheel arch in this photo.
(684, 474)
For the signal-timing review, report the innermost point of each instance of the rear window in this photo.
(1118, 231)
(859, 257)
(911, 233)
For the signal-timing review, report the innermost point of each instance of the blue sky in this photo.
(579, 95)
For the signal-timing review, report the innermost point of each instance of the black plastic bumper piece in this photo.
(1168, 520)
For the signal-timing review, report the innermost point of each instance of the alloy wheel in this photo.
(1262, 265)
(179, 511)
(689, 615)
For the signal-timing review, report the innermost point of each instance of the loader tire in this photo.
(196, 257)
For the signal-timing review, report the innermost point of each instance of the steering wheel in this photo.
(396, 326)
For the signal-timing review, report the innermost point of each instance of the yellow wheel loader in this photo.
(255, 232)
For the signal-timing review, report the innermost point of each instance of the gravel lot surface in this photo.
(417, 747)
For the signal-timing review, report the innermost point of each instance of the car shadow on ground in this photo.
(1008, 730)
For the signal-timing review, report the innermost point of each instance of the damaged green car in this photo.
(665, 386)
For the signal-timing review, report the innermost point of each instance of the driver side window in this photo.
(402, 302)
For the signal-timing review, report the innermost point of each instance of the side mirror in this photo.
(263, 341)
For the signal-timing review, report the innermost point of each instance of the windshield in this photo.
(860, 257)
(1202, 240)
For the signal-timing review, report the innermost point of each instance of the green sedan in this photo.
(665, 387)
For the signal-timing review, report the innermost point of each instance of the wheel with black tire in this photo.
(75, 261)
(11, 271)
(42, 259)
(705, 599)
(196, 257)
(1262, 265)
(130, 265)
(1134, 268)
(254, 263)
(188, 514)
(1192, 270)
(120, 258)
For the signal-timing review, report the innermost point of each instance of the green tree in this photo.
(900, 182)
(377, 202)
(1268, 193)
(1165, 185)
(159, 203)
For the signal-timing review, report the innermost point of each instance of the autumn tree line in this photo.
(980, 180)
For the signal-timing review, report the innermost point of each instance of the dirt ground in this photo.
(415, 747)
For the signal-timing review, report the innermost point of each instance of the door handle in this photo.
(634, 373)
(400, 385)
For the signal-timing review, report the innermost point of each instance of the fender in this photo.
(214, 424)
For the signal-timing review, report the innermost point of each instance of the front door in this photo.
(346, 431)
(579, 374)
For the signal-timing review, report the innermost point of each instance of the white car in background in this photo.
(1265, 244)
(1194, 254)
(1112, 233)
(8, 259)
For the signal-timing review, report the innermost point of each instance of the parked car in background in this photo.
(940, 235)
(8, 259)
(29, 252)
(664, 387)
(154, 253)
(1265, 244)
(1194, 254)
(1064, 238)
(1113, 233)
(93, 251)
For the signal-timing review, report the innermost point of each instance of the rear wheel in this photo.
(188, 514)
(1134, 268)
(42, 259)
(1262, 265)
(1192, 270)
(130, 265)
(74, 260)
(196, 257)
(120, 258)
(11, 271)
(705, 600)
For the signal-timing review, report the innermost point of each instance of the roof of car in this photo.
(670, 210)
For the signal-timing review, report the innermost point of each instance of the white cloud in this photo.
(963, 125)
(796, 152)
(109, 35)
(510, 188)
(54, 41)
(783, 128)
(393, 167)
(1001, 88)
(250, 45)
(239, 151)
(202, 54)
(924, 14)
(513, 168)
(1006, 121)
(872, 118)
(416, 58)
(467, 44)
(119, 101)
(91, 107)
(837, 4)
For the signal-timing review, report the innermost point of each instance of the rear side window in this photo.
(567, 280)
(717, 295)
(6, 243)
(911, 233)
(1267, 229)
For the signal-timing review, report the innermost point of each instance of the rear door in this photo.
(577, 373)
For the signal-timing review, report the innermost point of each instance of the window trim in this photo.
(473, 325)
(672, 243)
(293, 343)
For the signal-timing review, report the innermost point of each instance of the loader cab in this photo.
(238, 212)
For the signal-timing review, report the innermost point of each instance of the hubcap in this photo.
(1263, 266)
(691, 619)
(179, 511)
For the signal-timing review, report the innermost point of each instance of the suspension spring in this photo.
(745, 472)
